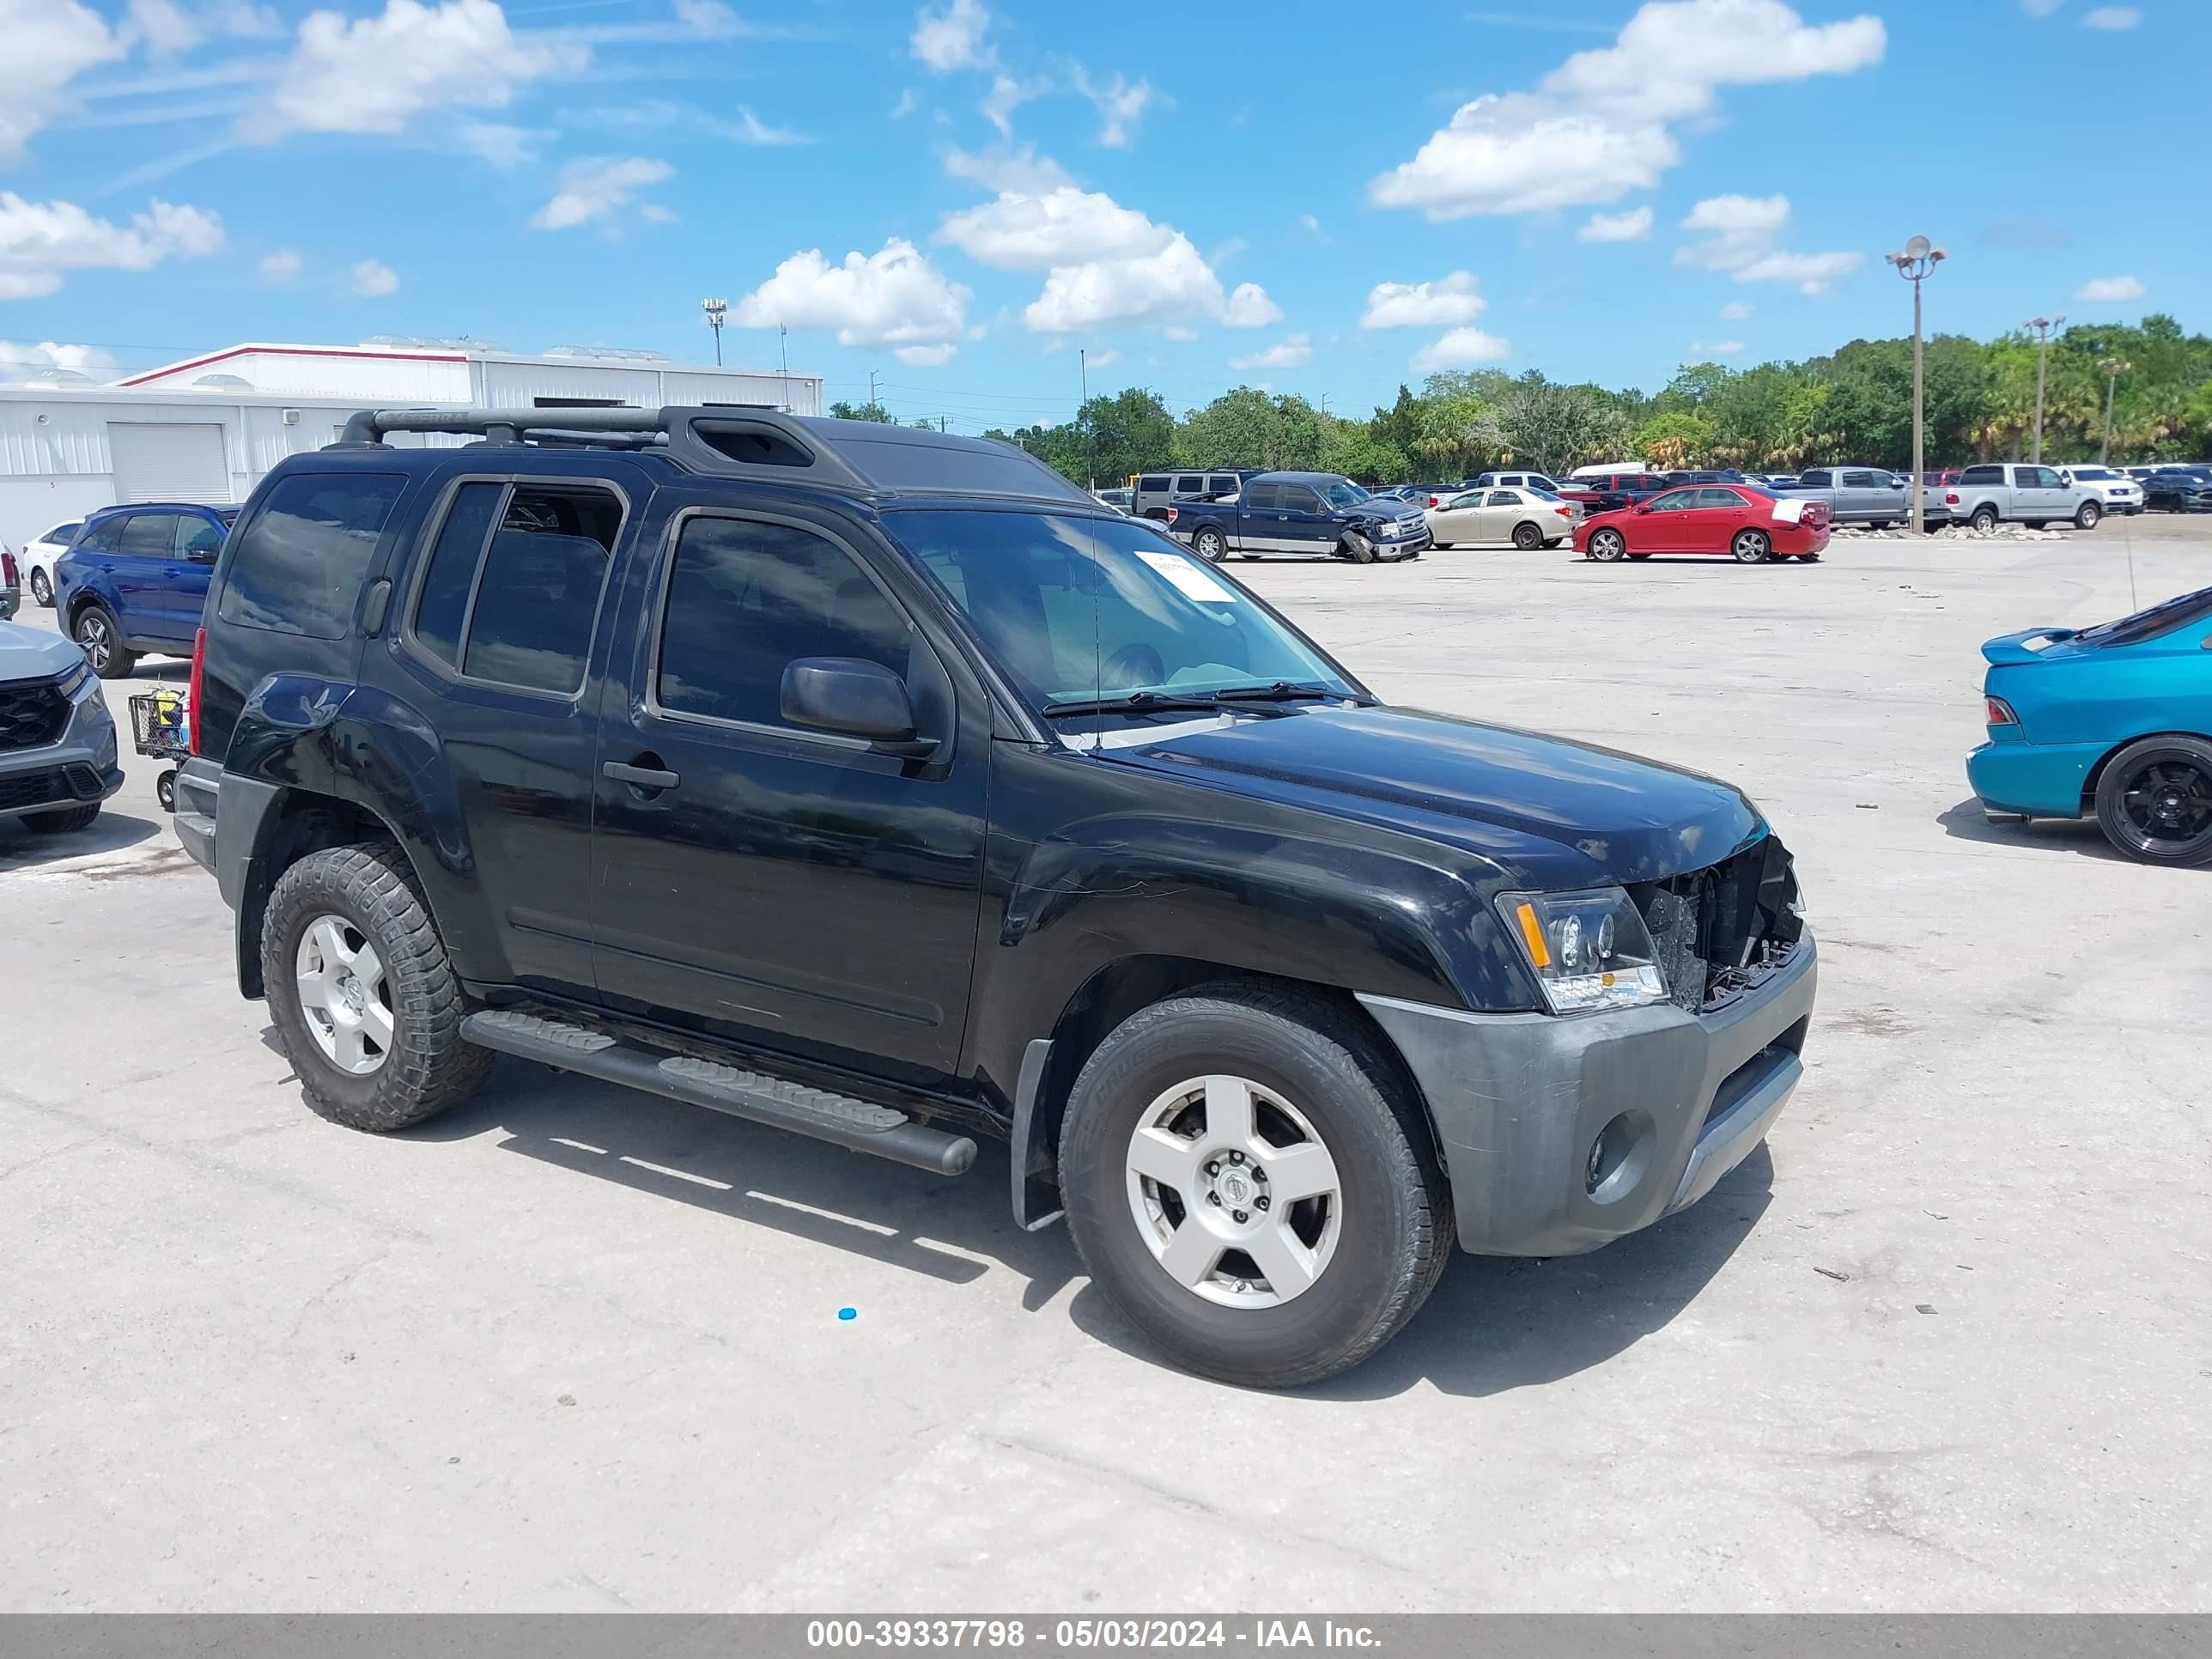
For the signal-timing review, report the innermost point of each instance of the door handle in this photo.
(639, 777)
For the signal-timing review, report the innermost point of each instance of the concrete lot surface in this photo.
(1945, 1343)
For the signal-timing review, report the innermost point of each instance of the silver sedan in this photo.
(1526, 519)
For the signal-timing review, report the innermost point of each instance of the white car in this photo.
(1529, 518)
(2121, 493)
(38, 559)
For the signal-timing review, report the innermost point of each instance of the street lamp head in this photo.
(1917, 248)
(715, 309)
(1937, 256)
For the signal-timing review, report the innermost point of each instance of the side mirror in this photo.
(853, 698)
(1643, 508)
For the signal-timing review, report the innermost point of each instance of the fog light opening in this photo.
(1615, 1161)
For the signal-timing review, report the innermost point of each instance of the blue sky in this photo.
(960, 196)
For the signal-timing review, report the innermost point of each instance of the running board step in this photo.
(858, 1125)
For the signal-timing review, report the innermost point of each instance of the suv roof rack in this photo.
(869, 458)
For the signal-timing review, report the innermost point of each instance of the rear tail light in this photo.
(192, 692)
(7, 568)
(1564, 512)
(2000, 712)
(1950, 498)
(1173, 515)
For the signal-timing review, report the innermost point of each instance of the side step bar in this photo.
(858, 1125)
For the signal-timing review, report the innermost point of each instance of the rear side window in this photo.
(62, 532)
(1190, 486)
(746, 599)
(512, 594)
(150, 535)
(1151, 482)
(1268, 497)
(1982, 475)
(1865, 480)
(1220, 486)
(297, 566)
(106, 536)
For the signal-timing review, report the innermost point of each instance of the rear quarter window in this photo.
(298, 564)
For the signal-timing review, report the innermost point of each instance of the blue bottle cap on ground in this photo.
(848, 1313)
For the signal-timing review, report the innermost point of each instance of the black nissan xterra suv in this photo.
(881, 785)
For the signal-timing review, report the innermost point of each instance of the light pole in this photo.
(1090, 450)
(716, 310)
(1916, 264)
(2042, 326)
(2113, 368)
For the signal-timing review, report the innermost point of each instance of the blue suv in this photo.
(136, 580)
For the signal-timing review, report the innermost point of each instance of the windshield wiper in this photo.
(1280, 691)
(1137, 703)
(1237, 697)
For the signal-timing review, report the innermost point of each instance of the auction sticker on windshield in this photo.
(1192, 581)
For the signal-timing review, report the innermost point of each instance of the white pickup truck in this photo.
(2021, 492)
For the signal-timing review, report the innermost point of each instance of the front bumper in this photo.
(1677, 1100)
(75, 769)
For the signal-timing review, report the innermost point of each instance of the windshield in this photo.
(2179, 611)
(1343, 493)
(1077, 609)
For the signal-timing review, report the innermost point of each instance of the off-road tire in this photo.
(1398, 1228)
(63, 821)
(430, 1067)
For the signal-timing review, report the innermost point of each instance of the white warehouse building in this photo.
(206, 430)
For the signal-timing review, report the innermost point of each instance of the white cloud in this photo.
(952, 39)
(508, 148)
(751, 130)
(28, 361)
(1634, 226)
(50, 43)
(281, 267)
(1597, 127)
(2040, 7)
(1179, 333)
(1293, 352)
(1459, 348)
(2110, 290)
(1007, 95)
(894, 297)
(373, 73)
(1105, 262)
(373, 279)
(926, 356)
(2112, 17)
(40, 240)
(1700, 351)
(163, 25)
(1740, 232)
(1118, 104)
(596, 186)
(1105, 359)
(904, 107)
(1444, 301)
(710, 19)
(1735, 312)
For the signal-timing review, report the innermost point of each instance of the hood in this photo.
(1552, 814)
(33, 653)
(1384, 511)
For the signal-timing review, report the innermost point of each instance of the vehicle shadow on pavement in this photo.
(765, 1177)
(111, 832)
(1495, 1324)
(2079, 836)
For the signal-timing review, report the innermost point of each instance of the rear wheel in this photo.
(1528, 538)
(1751, 547)
(1985, 519)
(362, 994)
(102, 642)
(1250, 1183)
(1209, 544)
(2155, 800)
(1607, 547)
(41, 589)
(2088, 516)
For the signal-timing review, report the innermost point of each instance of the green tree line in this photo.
(1855, 404)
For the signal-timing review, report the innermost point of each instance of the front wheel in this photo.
(1247, 1182)
(65, 821)
(1751, 547)
(362, 992)
(1358, 549)
(1607, 547)
(2088, 516)
(1209, 544)
(41, 589)
(2154, 801)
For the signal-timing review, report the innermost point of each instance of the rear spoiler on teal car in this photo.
(2025, 647)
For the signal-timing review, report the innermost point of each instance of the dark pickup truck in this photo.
(881, 786)
(1318, 515)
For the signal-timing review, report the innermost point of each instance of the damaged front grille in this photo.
(1720, 931)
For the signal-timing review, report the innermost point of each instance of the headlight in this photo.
(1589, 950)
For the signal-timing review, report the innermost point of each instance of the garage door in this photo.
(168, 461)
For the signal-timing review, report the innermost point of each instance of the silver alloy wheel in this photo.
(1210, 546)
(1607, 546)
(344, 994)
(97, 640)
(1233, 1192)
(1750, 547)
(41, 589)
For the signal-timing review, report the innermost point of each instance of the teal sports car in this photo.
(2114, 720)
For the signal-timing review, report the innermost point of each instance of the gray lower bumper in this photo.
(1672, 1101)
(77, 769)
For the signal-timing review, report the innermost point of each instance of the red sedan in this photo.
(1748, 524)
